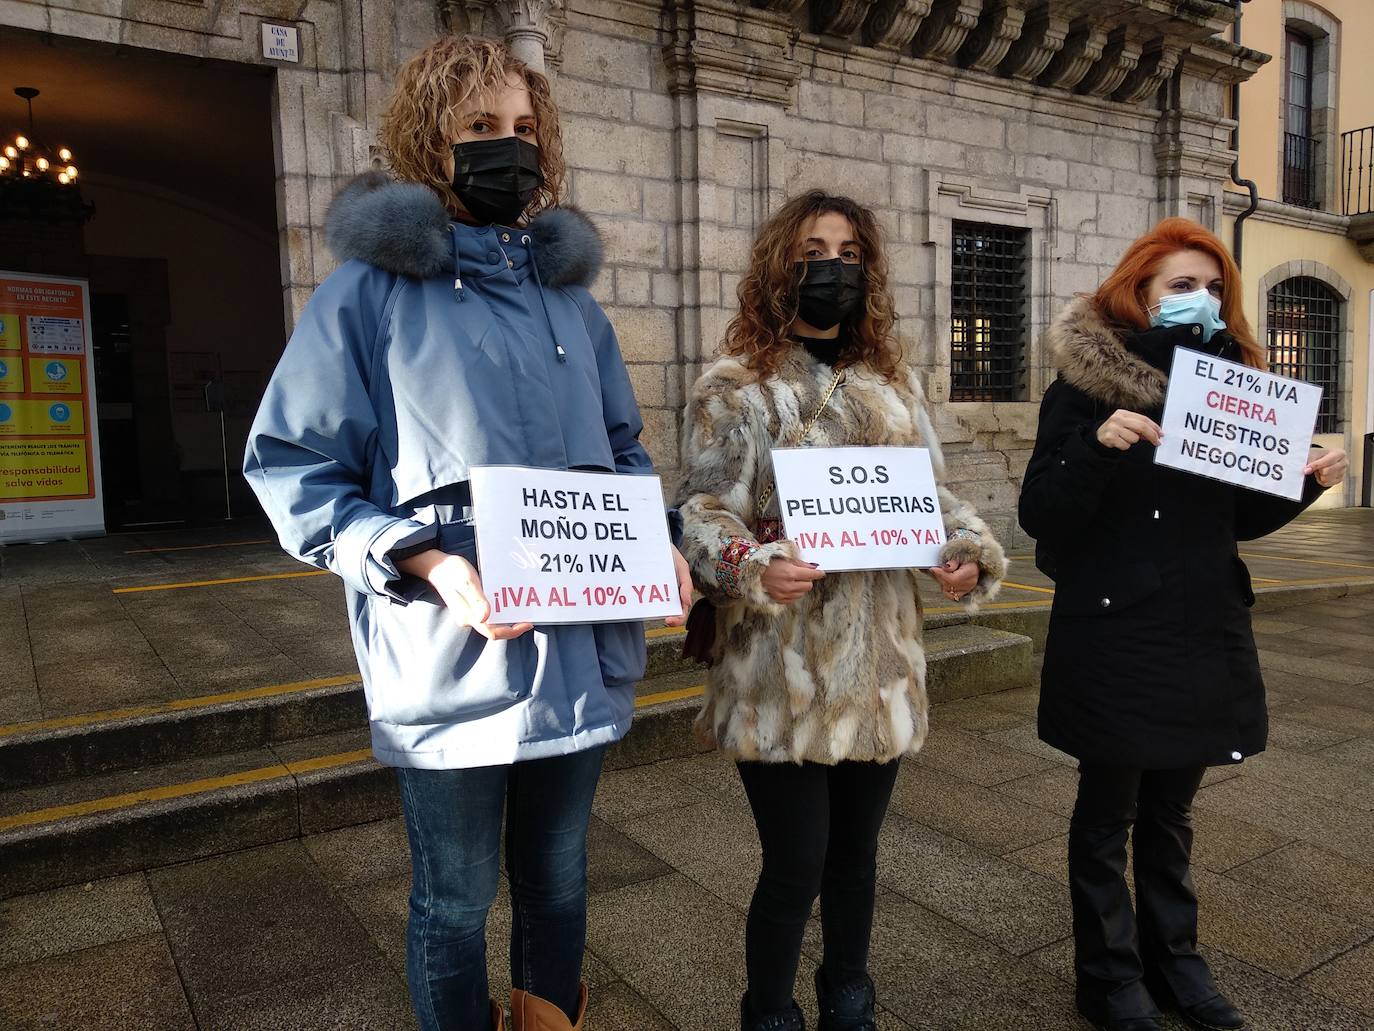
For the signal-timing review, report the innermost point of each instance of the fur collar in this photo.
(404, 229)
(1093, 357)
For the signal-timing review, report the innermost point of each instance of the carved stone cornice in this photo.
(779, 6)
(1219, 60)
(998, 28)
(533, 29)
(1119, 58)
(1041, 38)
(945, 28)
(744, 70)
(1157, 62)
(892, 24)
(838, 17)
(1081, 50)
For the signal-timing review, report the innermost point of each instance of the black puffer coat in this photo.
(1150, 660)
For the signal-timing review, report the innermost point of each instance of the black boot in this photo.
(1216, 1013)
(786, 1020)
(846, 1008)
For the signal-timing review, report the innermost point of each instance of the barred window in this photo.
(1305, 340)
(988, 312)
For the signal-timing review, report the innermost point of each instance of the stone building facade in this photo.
(1071, 124)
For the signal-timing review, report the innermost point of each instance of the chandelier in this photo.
(36, 180)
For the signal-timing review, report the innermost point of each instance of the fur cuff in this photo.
(740, 571)
(992, 566)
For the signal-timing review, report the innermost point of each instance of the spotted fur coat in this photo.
(841, 673)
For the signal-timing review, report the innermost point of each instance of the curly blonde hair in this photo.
(768, 292)
(444, 77)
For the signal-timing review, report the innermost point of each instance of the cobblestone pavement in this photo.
(972, 918)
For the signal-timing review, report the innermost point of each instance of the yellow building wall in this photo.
(1268, 245)
(1261, 134)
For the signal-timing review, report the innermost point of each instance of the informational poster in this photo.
(49, 443)
(1236, 424)
(860, 507)
(572, 547)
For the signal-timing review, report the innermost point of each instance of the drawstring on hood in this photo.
(458, 294)
(534, 264)
(526, 240)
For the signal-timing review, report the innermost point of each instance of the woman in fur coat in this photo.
(459, 331)
(817, 686)
(1150, 673)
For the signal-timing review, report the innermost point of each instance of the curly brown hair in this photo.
(768, 292)
(443, 77)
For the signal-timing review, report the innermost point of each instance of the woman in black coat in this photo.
(1151, 673)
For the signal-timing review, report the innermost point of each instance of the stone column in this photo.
(533, 29)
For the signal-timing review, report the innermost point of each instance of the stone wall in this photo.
(687, 125)
(689, 121)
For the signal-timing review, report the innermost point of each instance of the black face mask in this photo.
(496, 179)
(829, 291)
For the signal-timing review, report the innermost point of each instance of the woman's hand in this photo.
(1123, 429)
(1327, 465)
(956, 577)
(460, 587)
(786, 579)
(684, 588)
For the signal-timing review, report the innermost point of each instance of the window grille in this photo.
(1305, 340)
(988, 311)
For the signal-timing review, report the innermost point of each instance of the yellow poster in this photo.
(11, 375)
(20, 417)
(54, 376)
(9, 331)
(43, 469)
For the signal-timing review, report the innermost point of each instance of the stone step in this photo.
(46, 751)
(136, 817)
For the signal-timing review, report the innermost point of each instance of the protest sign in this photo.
(572, 547)
(1236, 424)
(860, 507)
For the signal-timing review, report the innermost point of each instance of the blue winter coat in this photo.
(402, 374)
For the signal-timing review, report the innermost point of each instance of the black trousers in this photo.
(819, 829)
(1117, 951)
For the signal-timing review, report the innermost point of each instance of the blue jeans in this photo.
(453, 820)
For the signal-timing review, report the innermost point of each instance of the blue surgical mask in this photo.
(1198, 308)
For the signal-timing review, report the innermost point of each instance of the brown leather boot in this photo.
(498, 1017)
(531, 1013)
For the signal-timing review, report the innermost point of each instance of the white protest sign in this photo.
(860, 507)
(1236, 424)
(571, 547)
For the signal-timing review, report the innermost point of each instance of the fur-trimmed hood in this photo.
(403, 228)
(1093, 357)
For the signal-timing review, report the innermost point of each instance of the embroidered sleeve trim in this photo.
(733, 555)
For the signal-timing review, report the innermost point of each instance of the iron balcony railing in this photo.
(1357, 171)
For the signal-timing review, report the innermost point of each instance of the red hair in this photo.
(1121, 297)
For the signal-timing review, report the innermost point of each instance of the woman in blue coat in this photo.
(459, 332)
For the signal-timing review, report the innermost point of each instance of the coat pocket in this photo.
(1096, 592)
(424, 668)
(622, 652)
(1247, 590)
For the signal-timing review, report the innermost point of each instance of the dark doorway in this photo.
(181, 255)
